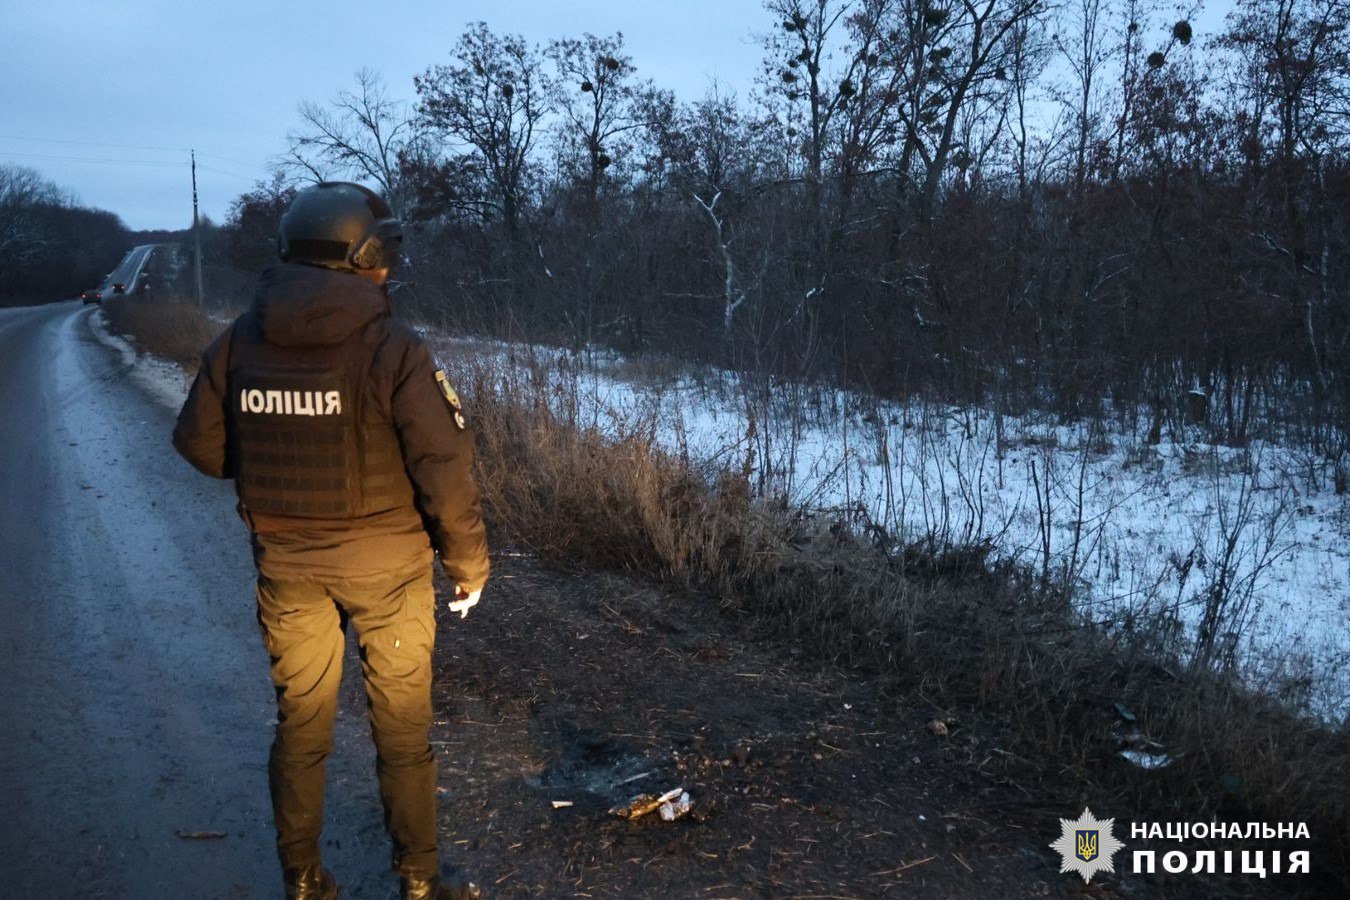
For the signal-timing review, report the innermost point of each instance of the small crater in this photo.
(596, 764)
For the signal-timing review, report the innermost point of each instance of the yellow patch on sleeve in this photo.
(452, 399)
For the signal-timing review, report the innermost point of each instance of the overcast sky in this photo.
(104, 97)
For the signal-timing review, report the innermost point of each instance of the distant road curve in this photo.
(130, 270)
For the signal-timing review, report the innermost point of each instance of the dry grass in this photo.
(167, 327)
(949, 627)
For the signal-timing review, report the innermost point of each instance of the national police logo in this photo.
(1087, 845)
(452, 399)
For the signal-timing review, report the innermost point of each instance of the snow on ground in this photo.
(161, 379)
(1134, 528)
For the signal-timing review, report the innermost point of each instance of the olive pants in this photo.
(304, 627)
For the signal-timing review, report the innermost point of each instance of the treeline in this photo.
(1075, 206)
(51, 247)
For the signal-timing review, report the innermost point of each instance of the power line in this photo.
(16, 137)
(229, 174)
(151, 163)
(237, 162)
(155, 163)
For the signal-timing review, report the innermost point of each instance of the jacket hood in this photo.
(307, 306)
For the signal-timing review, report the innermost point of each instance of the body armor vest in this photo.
(306, 439)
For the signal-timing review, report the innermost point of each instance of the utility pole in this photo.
(196, 231)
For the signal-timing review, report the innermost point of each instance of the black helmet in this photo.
(340, 225)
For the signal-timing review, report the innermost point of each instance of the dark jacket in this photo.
(349, 459)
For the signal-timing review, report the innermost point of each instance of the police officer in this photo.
(351, 457)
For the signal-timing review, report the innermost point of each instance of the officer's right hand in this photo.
(464, 601)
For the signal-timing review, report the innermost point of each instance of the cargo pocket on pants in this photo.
(416, 629)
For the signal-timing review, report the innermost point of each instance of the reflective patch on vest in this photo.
(452, 399)
(253, 401)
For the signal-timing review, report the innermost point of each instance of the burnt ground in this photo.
(808, 781)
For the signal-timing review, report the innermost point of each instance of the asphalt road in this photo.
(134, 700)
(128, 270)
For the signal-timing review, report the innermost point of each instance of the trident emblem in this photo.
(1085, 847)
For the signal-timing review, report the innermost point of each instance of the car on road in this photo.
(91, 297)
(119, 288)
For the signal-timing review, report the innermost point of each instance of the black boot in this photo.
(452, 886)
(310, 883)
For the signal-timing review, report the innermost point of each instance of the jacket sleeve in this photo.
(438, 454)
(199, 436)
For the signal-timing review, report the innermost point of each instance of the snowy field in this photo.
(1133, 528)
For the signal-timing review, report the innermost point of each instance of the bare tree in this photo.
(712, 145)
(811, 27)
(1028, 55)
(1085, 44)
(733, 291)
(598, 102)
(49, 242)
(249, 233)
(1046, 204)
(867, 125)
(1295, 56)
(492, 99)
(361, 133)
(952, 53)
(21, 238)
